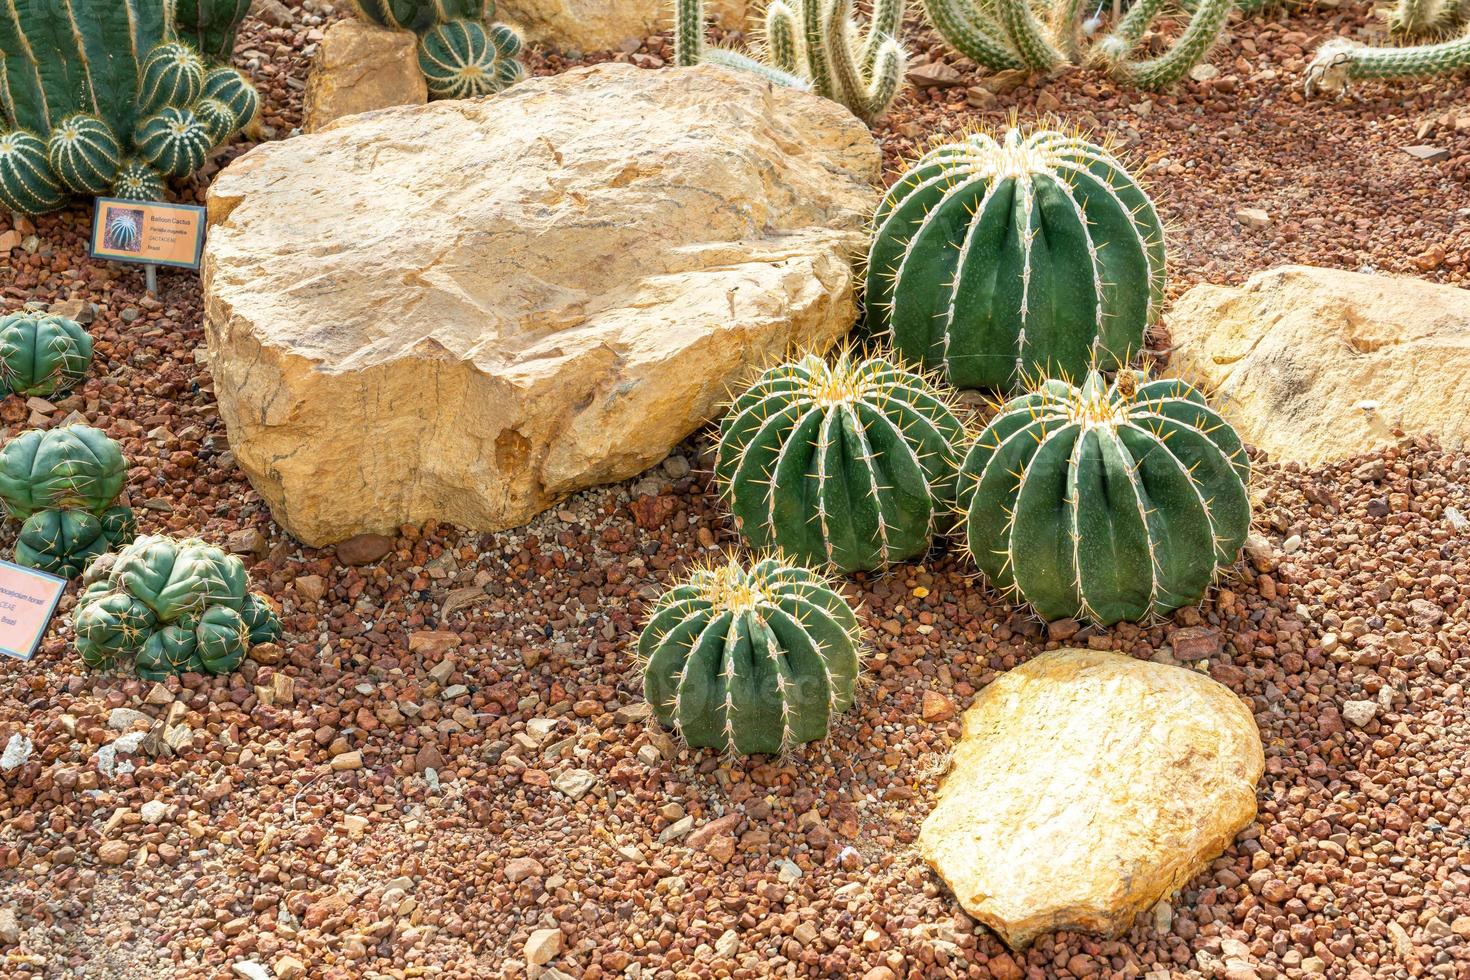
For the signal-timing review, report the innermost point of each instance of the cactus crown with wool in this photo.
(104, 96)
(850, 465)
(42, 354)
(1043, 36)
(1339, 62)
(461, 53)
(812, 44)
(750, 660)
(1035, 255)
(1104, 502)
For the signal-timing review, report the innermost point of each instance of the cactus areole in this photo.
(1103, 502)
(1026, 257)
(756, 660)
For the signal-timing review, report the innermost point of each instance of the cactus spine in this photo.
(461, 54)
(1105, 502)
(1340, 61)
(1031, 256)
(756, 660)
(1425, 18)
(42, 354)
(1007, 34)
(813, 44)
(851, 465)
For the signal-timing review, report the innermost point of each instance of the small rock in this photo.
(289, 968)
(1253, 219)
(272, 12)
(268, 654)
(9, 241)
(543, 946)
(364, 549)
(574, 782)
(153, 811)
(632, 714)
(728, 945)
(347, 761)
(250, 970)
(355, 824)
(1195, 643)
(123, 719)
(311, 586)
(247, 541)
(428, 757)
(521, 868)
(9, 928)
(937, 707)
(1359, 713)
(1429, 154)
(17, 752)
(1203, 72)
(936, 74)
(112, 852)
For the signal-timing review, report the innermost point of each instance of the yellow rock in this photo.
(359, 67)
(602, 25)
(1319, 364)
(1086, 787)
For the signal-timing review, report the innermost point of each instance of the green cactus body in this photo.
(463, 59)
(171, 75)
(217, 119)
(1106, 503)
(168, 650)
(222, 639)
(119, 525)
(60, 541)
(209, 26)
(260, 619)
(420, 15)
(74, 467)
(42, 354)
(233, 90)
(84, 153)
(751, 661)
(111, 624)
(851, 466)
(136, 181)
(174, 141)
(170, 578)
(226, 583)
(27, 182)
(1340, 61)
(998, 261)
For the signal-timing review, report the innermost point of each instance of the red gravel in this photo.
(309, 828)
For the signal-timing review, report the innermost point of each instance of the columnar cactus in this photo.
(756, 660)
(1340, 61)
(172, 606)
(1106, 502)
(107, 99)
(461, 53)
(1423, 18)
(42, 354)
(851, 465)
(1043, 36)
(813, 44)
(1031, 256)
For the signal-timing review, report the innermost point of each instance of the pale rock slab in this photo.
(1315, 364)
(468, 310)
(359, 67)
(602, 25)
(1086, 787)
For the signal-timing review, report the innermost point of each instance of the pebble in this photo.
(543, 946)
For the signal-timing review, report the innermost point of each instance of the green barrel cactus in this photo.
(74, 467)
(851, 465)
(222, 638)
(260, 619)
(109, 625)
(1004, 260)
(42, 354)
(462, 54)
(61, 542)
(756, 660)
(229, 88)
(1103, 502)
(79, 77)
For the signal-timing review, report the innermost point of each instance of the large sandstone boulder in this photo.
(358, 67)
(1086, 787)
(467, 310)
(1318, 364)
(602, 25)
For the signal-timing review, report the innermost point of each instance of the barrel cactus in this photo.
(1104, 502)
(42, 354)
(999, 260)
(751, 660)
(74, 467)
(105, 100)
(192, 602)
(852, 465)
(462, 54)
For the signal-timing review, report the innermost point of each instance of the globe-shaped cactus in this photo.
(750, 660)
(852, 464)
(27, 182)
(222, 638)
(1027, 257)
(174, 141)
(169, 650)
(260, 619)
(74, 467)
(463, 59)
(171, 74)
(172, 578)
(1103, 502)
(42, 354)
(232, 90)
(84, 152)
(109, 625)
(60, 541)
(136, 181)
(420, 15)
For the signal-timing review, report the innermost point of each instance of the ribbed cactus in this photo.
(850, 465)
(42, 354)
(172, 606)
(1042, 36)
(102, 95)
(462, 54)
(1422, 18)
(1340, 61)
(1106, 502)
(1030, 256)
(813, 44)
(756, 660)
(62, 542)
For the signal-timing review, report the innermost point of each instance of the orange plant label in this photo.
(148, 232)
(28, 600)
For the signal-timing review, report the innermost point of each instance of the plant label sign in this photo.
(28, 600)
(148, 232)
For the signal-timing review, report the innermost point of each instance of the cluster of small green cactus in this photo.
(1339, 62)
(63, 485)
(110, 99)
(757, 659)
(850, 465)
(1030, 256)
(1043, 35)
(171, 607)
(812, 44)
(462, 54)
(42, 354)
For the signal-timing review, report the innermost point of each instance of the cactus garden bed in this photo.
(445, 765)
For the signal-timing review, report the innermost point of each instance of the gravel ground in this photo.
(448, 762)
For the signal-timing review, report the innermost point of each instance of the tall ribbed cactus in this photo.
(813, 44)
(1000, 260)
(851, 465)
(102, 95)
(1042, 36)
(1340, 61)
(461, 53)
(1106, 502)
(757, 660)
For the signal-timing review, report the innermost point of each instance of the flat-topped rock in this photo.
(468, 310)
(1086, 787)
